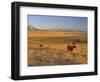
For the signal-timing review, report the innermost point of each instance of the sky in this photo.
(57, 22)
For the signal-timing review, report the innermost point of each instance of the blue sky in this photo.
(60, 22)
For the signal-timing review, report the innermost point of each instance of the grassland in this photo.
(53, 50)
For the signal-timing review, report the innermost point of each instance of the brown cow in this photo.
(40, 45)
(71, 47)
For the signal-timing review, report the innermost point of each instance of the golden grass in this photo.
(51, 34)
(53, 50)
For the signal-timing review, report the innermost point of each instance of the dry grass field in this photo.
(47, 48)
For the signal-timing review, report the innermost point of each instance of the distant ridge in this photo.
(32, 28)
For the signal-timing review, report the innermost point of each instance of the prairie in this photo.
(46, 48)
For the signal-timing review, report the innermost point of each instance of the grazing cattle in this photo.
(40, 45)
(71, 47)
